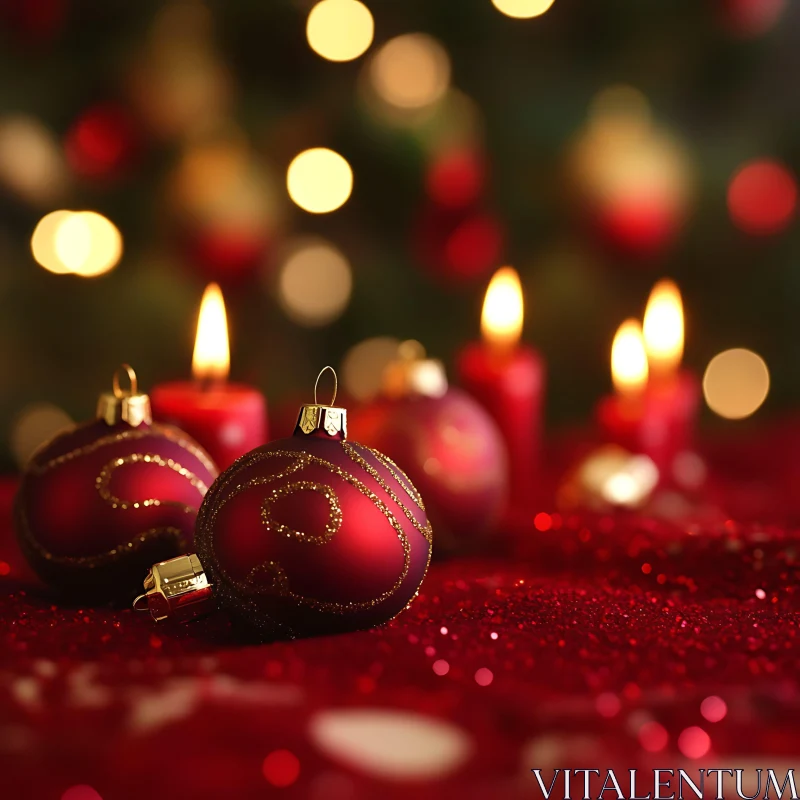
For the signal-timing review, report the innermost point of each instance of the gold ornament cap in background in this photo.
(177, 589)
(128, 406)
(412, 373)
(328, 420)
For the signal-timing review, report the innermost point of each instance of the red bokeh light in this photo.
(762, 197)
(281, 768)
(474, 246)
(694, 742)
(100, 142)
(714, 708)
(653, 737)
(456, 179)
(751, 17)
(5, 568)
(542, 522)
(81, 792)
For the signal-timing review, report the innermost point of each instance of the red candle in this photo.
(508, 379)
(228, 419)
(655, 405)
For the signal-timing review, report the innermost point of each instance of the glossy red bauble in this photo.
(454, 453)
(313, 534)
(100, 503)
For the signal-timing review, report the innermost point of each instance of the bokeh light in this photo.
(762, 197)
(99, 141)
(629, 369)
(340, 30)
(411, 71)
(736, 383)
(30, 160)
(315, 283)
(319, 180)
(363, 366)
(44, 239)
(694, 742)
(714, 708)
(87, 244)
(484, 676)
(281, 768)
(35, 425)
(752, 17)
(522, 9)
(456, 178)
(81, 792)
(653, 737)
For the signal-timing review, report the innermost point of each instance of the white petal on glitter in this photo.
(393, 745)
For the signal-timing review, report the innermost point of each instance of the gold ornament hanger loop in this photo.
(335, 384)
(118, 391)
(121, 405)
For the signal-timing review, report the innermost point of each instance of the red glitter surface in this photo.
(597, 645)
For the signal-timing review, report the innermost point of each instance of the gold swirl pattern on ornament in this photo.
(279, 580)
(393, 469)
(331, 526)
(99, 560)
(133, 434)
(139, 540)
(103, 481)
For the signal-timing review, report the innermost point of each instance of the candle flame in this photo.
(503, 309)
(211, 359)
(663, 328)
(629, 369)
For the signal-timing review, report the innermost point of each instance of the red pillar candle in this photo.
(228, 419)
(508, 379)
(655, 405)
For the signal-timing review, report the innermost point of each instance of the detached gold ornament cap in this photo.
(177, 589)
(328, 421)
(125, 405)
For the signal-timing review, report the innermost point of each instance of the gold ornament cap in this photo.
(177, 589)
(328, 421)
(412, 373)
(122, 405)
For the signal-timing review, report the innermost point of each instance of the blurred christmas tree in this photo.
(347, 173)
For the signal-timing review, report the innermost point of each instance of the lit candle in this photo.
(655, 402)
(508, 379)
(228, 419)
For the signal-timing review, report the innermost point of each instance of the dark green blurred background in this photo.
(724, 89)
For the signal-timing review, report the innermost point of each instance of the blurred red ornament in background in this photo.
(456, 178)
(639, 225)
(449, 445)
(459, 244)
(751, 17)
(101, 142)
(630, 176)
(224, 202)
(762, 197)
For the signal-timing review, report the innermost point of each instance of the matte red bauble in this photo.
(313, 534)
(99, 503)
(450, 446)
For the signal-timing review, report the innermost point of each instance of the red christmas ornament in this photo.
(451, 447)
(99, 503)
(312, 534)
